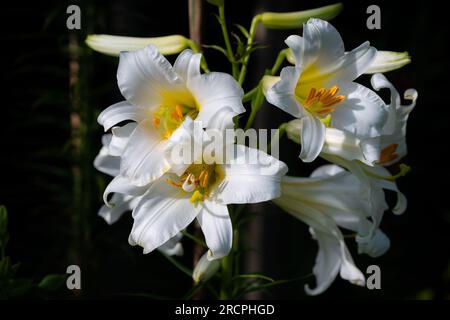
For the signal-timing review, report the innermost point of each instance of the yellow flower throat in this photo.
(172, 112)
(198, 179)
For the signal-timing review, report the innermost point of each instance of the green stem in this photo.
(227, 276)
(255, 21)
(281, 132)
(194, 238)
(278, 62)
(257, 100)
(251, 118)
(226, 38)
(249, 95)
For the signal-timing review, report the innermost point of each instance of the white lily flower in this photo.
(114, 45)
(384, 61)
(159, 98)
(320, 92)
(392, 146)
(108, 162)
(393, 138)
(205, 269)
(170, 203)
(329, 199)
(385, 149)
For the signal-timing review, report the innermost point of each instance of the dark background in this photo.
(52, 192)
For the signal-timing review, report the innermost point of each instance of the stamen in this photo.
(205, 180)
(178, 111)
(388, 153)
(172, 183)
(156, 122)
(319, 102)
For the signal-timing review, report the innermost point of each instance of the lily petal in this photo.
(282, 93)
(121, 184)
(341, 143)
(362, 113)
(187, 64)
(161, 214)
(251, 176)
(143, 159)
(106, 163)
(333, 258)
(144, 74)
(120, 137)
(321, 44)
(215, 92)
(216, 226)
(119, 112)
(122, 204)
(312, 137)
(173, 247)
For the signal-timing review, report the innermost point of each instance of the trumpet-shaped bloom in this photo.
(201, 190)
(329, 199)
(159, 97)
(385, 149)
(320, 92)
(390, 147)
(393, 138)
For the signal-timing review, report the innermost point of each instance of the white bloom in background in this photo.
(320, 92)
(108, 162)
(202, 190)
(384, 149)
(384, 61)
(391, 148)
(205, 269)
(159, 97)
(393, 138)
(332, 198)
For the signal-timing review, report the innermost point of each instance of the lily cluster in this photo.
(334, 118)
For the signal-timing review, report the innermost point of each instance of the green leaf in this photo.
(243, 30)
(52, 282)
(177, 264)
(253, 276)
(193, 291)
(274, 283)
(216, 47)
(20, 287)
(194, 238)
